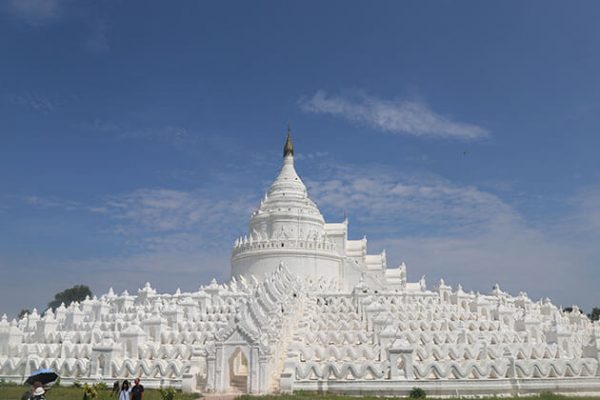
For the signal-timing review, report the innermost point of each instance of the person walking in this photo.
(137, 391)
(35, 388)
(39, 394)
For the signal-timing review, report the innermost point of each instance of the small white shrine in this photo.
(309, 309)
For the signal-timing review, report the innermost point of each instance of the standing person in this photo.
(137, 391)
(115, 389)
(125, 392)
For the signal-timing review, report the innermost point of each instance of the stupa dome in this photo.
(286, 210)
(286, 226)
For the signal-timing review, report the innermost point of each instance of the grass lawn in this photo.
(14, 392)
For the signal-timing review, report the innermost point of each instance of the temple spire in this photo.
(288, 148)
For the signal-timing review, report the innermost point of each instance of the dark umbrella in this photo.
(43, 376)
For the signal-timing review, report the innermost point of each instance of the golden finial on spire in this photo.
(288, 148)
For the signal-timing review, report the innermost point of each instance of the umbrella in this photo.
(43, 376)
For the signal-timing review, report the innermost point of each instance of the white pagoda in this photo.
(308, 309)
(288, 227)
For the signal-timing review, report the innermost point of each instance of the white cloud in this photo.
(41, 202)
(35, 102)
(584, 220)
(166, 210)
(394, 116)
(176, 136)
(99, 125)
(166, 268)
(163, 219)
(36, 12)
(97, 42)
(380, 197)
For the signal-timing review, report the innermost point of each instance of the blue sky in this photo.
(137, 136)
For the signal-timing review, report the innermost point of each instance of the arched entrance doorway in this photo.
(238, 371)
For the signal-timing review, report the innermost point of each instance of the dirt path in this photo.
(220, 396)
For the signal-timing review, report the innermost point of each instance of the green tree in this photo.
(595, 314)
(23, 312)
(570, 309)
(76, 293)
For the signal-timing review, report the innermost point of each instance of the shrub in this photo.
(417, 393)
(5, 383)
(77, 384)
(167, 393)
(89, 392)
(100, 386)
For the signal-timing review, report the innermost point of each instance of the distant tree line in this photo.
(67, 296)
(594, 315)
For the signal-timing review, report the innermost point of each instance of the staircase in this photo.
(282, 347)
